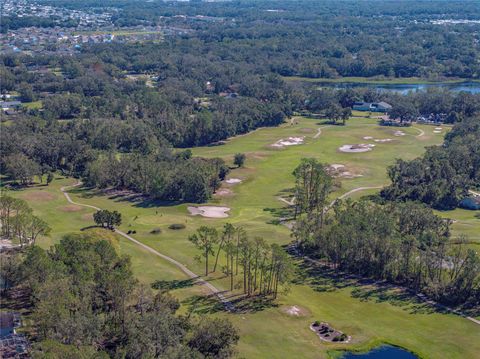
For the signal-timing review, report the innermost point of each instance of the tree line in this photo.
(264, 268)
(86, 303)
(443, 176)
(400, 242)
(18, 223)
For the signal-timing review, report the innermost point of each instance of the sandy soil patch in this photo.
(336, 166)
(223, 192)
(338, 170)
(87, 217)
(70, 208)
(290, 141)
(295, 311)
(233, 180)
(362, 147)
(40, 196)
(209, 211)
(399, 133)
(306, 130)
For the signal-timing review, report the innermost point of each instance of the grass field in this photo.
(370, 314)
(378, 80)
(35, 105)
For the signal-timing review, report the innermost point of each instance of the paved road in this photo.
(228, 305)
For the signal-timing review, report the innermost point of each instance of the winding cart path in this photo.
(228, 305)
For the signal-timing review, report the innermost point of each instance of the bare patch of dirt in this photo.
(40, 196)
(70, 208)
(87, 217)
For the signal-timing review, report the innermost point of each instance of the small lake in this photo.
(471, 86)
(383, 352)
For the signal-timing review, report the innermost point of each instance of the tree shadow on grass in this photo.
(241, 303)
(133, 198)
(323, 278)
(173, 284)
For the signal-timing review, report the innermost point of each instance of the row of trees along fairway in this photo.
(264, 267)
(404, 243)
(86, 303)
(17, 221)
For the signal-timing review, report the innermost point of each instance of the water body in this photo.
(383, 352)
(470, 86)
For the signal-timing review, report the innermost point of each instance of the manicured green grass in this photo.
(35, 105)
(464, 223)
(378, 80)
(360, 311)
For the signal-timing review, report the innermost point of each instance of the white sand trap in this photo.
(362, 147)
(336, 166)
(295, 311)
(233, 180)
(368, 138)
(438, 128)
(291, 141)
(437, 131)
(209, 211)
(399, 133)
(383, 140)
(223, 192)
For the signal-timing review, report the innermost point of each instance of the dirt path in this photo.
(284, 200)
(422, 132)
(228, 305)
(477, 194)
(319, 131)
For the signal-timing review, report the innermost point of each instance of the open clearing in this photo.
(367, 313)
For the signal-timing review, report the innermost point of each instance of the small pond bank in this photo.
(382, 352)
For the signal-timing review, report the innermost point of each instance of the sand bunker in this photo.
(383, 140)
(209, 211)
(438, 128)
(362, 147)
(224, 192)
(336, 166)
(233, 180)
(295, 311)
(437, 131)
(399, 133)
(338, 170)
(368, 138)
(291, 141)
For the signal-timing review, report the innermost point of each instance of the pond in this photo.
(383, 352)
(471, 86)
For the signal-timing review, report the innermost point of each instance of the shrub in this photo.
(176, 226)
(156, 231)
(316, 323)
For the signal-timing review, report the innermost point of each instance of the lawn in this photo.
(368, 314)
(35, 105)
